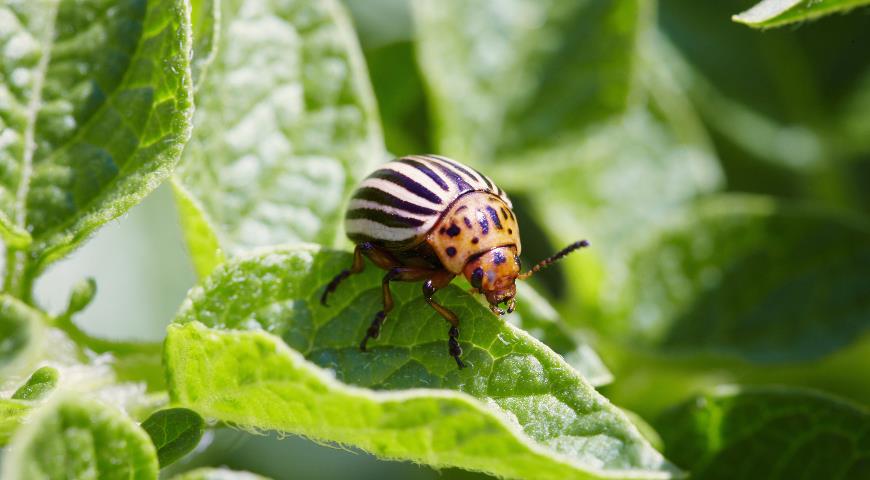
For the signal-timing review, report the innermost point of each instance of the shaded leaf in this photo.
(776, 13)
(769, 433)
(285, 125)
(749, 277)
(38, 385)
(530, 407)
(507, 77)
(75, 438)
(20, 326)
(94, 115)
(174, 432)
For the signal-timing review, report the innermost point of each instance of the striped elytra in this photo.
(427, 218)
(399, 203)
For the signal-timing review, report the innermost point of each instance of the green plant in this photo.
(728, 218)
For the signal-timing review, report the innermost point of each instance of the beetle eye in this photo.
(476, 277)
(519, 264)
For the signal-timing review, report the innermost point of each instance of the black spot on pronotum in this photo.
(510, 231)
(498, 257)
(453, 230)
(475, 240)
(451, 252)
(476, 277)
(467, 222)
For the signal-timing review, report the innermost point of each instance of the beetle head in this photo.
(493, 274)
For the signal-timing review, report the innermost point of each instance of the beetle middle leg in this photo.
(376, 255)
(438, 281)
(406, 274)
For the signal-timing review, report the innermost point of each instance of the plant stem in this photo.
(17, 281)
(101, 345)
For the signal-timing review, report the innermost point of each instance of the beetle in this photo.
(428, 218)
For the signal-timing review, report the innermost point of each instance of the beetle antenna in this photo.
(553, 259)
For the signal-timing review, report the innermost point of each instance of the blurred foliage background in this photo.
(724, 183)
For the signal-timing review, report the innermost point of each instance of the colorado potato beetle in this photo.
(429, 218)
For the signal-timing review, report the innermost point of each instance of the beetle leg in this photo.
(377, 256)
(438, 281)
(394, 274)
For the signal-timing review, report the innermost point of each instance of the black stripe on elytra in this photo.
(407, 183)
(459, 167)
(427, 171)
(384, 218)
(494, 216)
(467, 222)
(461, 184)
(484, 177)
(484, 224)
(379, 196)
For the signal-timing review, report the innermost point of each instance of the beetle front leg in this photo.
(437, 282)
(394, 274)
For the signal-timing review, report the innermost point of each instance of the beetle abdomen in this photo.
(398, 204)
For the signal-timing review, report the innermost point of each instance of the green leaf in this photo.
(75, 438)
(518, 410)
(12, 413)
(747, 276)
(286, 124)
(20, 328)
(82, 294)
(503, 80)
(205, 20)
(776, 13)
(95, 111)
(776, 103)
(536, 316)
(175, 432)
(769, 433)
(38, 385)
(202, 241)
(217, 474)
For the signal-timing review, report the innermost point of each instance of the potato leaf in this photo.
(205, 21)
(536, 316)
(174, 431)
(95, 107)
(776, 13)
(508, 79)
(38, 385)
(749, 277)
(20, 329)
(75, 438)
(769, 433)
(217, 474)
(285, 125)
(12, 414)
(518, 410)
